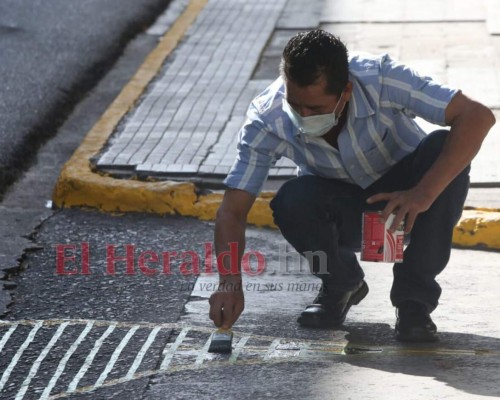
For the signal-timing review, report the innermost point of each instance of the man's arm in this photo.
(470, 122)
(227, 303)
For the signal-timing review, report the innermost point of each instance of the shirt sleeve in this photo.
(413, 94)
(254, 155)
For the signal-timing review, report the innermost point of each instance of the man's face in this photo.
(314, 99)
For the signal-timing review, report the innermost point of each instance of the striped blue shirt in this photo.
(379, 131)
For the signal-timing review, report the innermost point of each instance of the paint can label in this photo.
(378, 244)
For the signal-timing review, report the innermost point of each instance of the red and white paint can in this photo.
(378, 244)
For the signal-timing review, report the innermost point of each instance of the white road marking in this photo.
(115, 356)
(238, 348)
(170, 353)
(275, 352)
(90, 358)
(304, 347)
(102, 323)
(38, 361)
(203, 352)
(64, 360)
(272, 348)
(6, 337)
(15, 359)
(142, 353)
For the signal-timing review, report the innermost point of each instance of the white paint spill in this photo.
(272, 348)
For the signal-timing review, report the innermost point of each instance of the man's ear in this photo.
(348, 91)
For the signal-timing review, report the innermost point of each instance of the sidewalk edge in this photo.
(478, 228)
(79, 186)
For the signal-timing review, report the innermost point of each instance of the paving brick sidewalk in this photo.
(186, 124)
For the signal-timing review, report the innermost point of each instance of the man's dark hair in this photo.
(310, 55)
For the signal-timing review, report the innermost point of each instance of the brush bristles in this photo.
(222, 341)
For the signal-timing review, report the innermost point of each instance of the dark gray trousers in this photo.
(319, 214)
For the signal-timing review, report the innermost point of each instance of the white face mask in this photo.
(314, 125)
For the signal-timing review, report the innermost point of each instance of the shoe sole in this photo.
(417, 336)
(316, 322)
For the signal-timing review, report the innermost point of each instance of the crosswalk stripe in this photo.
(115, 356)
(238, 348)
(64, 360)
(170, 353)
(7, 335)
(38, 361)
(90, 358)
(20, 351)
(266, 349)
(142, 353)
(203, 352)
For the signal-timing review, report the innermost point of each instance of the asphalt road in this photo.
(79, 56)
(31, 229)
(79, 336)
(51, 53)
(45, 293)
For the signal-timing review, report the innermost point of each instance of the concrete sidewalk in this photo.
(274, 358)
(172, 132)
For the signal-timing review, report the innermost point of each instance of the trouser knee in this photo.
(429, 150)
(294, 199)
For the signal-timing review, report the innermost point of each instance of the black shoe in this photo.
(414, 324)
(330, 309)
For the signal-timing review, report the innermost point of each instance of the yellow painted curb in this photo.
(478, 229)
(79, 186)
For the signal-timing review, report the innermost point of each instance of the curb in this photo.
(478, 228)
(79, 186)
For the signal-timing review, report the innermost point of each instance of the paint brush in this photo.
(222, 340)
